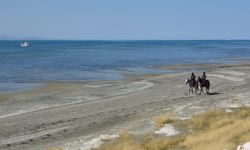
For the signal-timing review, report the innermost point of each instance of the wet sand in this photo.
(74, 115)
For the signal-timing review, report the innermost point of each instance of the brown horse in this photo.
(193, 86)
(204, 83)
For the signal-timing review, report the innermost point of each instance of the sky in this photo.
(125, 19)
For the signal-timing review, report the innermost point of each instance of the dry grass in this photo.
(55, 148)
(125, 142)
(202, 121)
(214, 130)
(219, 130)
(128, 141)
(164, 119)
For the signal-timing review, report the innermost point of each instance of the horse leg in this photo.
(207, 90)
(202, 89)
(196, 89)
(208, 87)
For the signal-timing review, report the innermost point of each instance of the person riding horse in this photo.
(192, 83)
(204, 82)
(192, 78)
(203, 77)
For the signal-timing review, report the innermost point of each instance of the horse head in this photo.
(187, 81)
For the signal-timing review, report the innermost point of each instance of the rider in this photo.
(204, 76)
(193, 78)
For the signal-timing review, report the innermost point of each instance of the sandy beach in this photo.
(77, 115)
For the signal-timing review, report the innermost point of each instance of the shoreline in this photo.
(125, 74)
(91, 109)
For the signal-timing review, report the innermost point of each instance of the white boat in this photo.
(25, 44)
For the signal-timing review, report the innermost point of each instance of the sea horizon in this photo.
(47, 39)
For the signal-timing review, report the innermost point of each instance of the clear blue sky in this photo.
(125, 19)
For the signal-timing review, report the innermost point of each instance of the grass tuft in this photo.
(55, 148)
(163, 119)
(125, 142)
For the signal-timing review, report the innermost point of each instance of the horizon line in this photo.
(124, 39)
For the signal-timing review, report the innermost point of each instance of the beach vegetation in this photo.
(164, 119)
(54, 148)
(213, 130)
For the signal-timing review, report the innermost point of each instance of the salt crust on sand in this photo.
(167, 130)
(246, 146)
(81, 144)
(89, 144)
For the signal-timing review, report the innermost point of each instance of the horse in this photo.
(192, 85)
(204, 83)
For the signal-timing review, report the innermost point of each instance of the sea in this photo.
(24, 68)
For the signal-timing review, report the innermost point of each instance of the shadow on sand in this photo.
(213, 93)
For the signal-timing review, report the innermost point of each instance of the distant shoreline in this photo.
(25, 86)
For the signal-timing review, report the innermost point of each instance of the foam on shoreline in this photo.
(88, 144)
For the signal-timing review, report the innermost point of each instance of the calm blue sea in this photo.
(22, 68)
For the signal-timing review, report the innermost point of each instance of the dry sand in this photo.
(79, 115)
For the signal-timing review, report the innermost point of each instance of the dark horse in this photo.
(204, 83)
(193, 86)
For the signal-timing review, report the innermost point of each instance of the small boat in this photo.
(25, 44)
